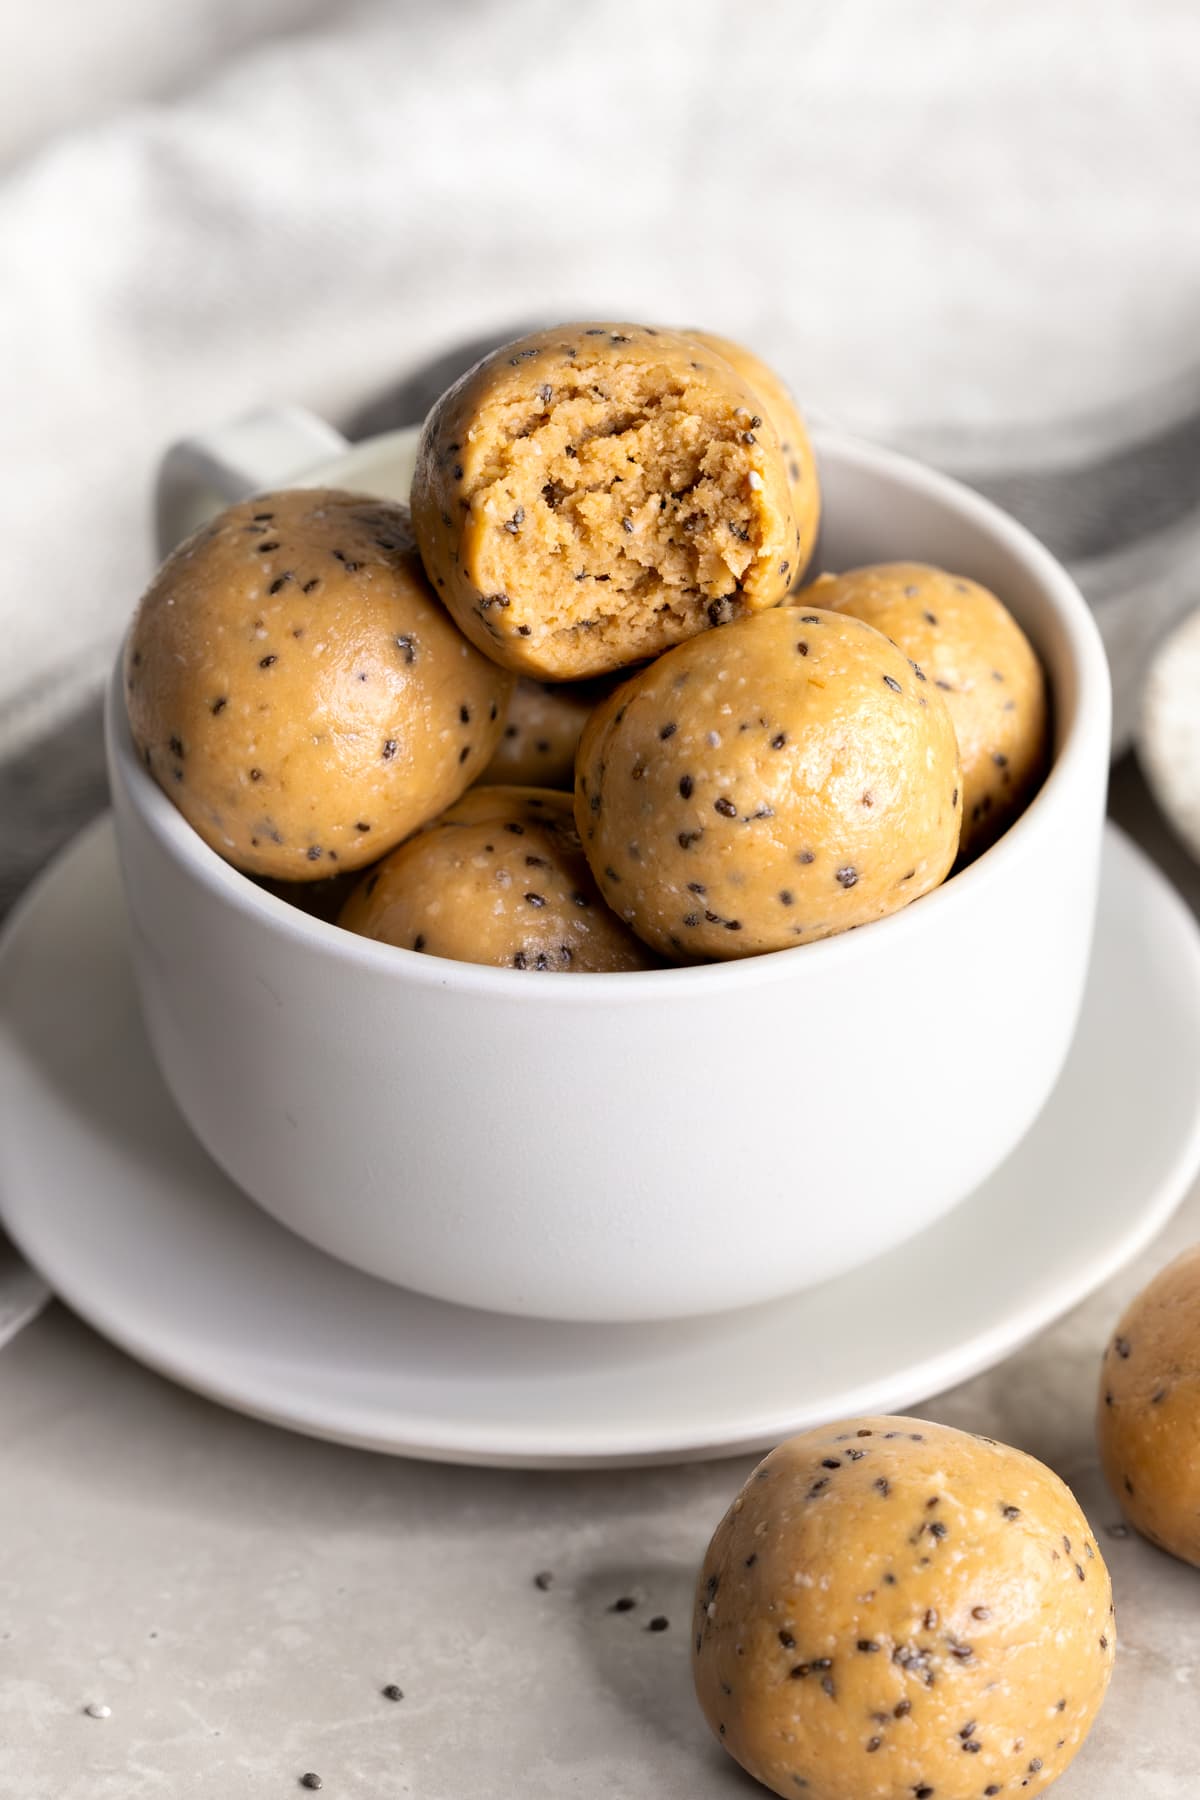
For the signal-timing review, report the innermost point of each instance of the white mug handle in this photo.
(199, 475)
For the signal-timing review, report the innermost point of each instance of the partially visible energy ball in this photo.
(894, 1610)
(1148, 1415)
(794, 441)
(295, 687)
(590, 495)
(981, 663)
(785, 778)
(542, 728)
(499, 878)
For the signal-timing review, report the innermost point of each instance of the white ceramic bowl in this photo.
(648, 1145)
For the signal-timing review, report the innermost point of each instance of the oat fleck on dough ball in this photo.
(894, 1610)
(982, 664)
(793, 438)
(1148, 1416)
(588, 496)
(782, 779)
(295, 687)
(499, 878)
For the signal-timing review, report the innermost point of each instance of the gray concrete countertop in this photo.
(239, 1597)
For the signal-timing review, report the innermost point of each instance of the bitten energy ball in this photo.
(589, 496)
(794, 441)
(297, 690)
(780, 780)
(498, 879)
(893, 1610)
(542, 730)
(1148, 1416)
(982, 664)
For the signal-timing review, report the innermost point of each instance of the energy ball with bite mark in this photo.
(1148, 1412)
(500, 879)
(296, 689)
(982, 664)
(780, 780)
(894, 1610)
(794, 441)
(544, 723)
(589, 496)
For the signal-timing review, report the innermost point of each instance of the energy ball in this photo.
(499, 878)
(293, 684)
(893, 1610)
(541, 732)
(588, 496)
(981, 662)
(1148, 1415)
(793, 438)
(783, 779)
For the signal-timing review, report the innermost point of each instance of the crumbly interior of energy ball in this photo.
(633, 484)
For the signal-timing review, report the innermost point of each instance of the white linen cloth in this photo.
(970, 230)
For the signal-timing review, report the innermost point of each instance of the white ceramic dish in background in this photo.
(651, 1145)
(110, 1196)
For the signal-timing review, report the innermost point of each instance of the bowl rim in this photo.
(1089, 721)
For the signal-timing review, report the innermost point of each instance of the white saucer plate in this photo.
(109, 1196)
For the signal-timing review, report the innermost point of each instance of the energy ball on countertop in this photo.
(295, 687)
(1148, 1413)
(542, 731)
(983, 665)
(498, 879)
(894, 1610)
(793, 438)
(780, 780)
(589, 496)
